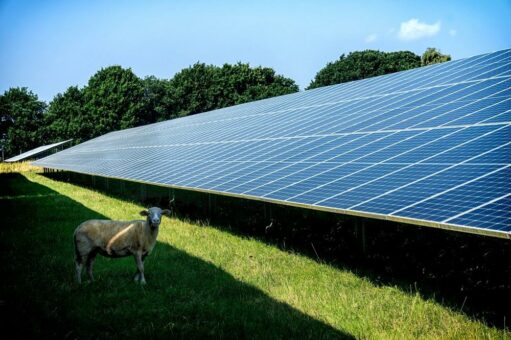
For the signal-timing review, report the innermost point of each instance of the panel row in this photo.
(432, 144)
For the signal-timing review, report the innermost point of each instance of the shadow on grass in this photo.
(467, 273)
(185, 296)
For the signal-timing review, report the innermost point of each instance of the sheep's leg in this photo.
(140, 267)
(136, 278)
(78, 271)
(90, 264)
(79, 266)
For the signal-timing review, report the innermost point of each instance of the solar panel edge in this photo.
(35, 151)
(384, 217)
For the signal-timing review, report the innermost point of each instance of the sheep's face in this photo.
(154, 215)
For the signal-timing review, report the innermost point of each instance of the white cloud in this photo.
(414, 29)
(371, 38)
(453, 33)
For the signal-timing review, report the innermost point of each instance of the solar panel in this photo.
(429, 146)
(34, 152)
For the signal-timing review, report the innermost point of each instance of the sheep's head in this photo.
(154, 215)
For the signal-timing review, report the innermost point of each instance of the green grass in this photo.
(202, 282)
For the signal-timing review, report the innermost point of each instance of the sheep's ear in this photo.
(166, 212)
(144, 213)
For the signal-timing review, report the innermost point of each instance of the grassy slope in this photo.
(201, 281)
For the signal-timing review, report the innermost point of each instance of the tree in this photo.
(202, 87)
(6, 122)
(400, 61)
(240, 84)
(433, 56)
(158, 101)
(364, 64)
(193, 89)
(66, 117)
(114, 99)
(22, 115)
(5, 118)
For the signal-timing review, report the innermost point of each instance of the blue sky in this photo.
(48, 46)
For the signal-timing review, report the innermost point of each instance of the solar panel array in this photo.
(34, 152)
(429, 146)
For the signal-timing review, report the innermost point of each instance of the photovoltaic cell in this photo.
(456, 200)
(495, 215)
(429, 146)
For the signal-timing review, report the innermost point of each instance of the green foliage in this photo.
(114, 99)
(158, 102)
(364, 64)
(241, 84)
(202, 87)
(6, 120)
(401, 61)
(66, 117)
(433, 56)
(21, 115)
(193, 90)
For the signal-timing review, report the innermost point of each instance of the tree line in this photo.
(115, 98)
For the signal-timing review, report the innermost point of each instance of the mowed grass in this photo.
(202, 282)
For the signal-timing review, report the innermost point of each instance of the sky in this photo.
(48, 46)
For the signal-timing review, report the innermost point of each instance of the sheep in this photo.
(117, 239)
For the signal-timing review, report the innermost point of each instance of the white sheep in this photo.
(117, 239)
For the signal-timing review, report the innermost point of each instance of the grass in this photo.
(18, 167)
(202, 282)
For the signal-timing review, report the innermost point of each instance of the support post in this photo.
(142, 192)
(360, 233)
(363, 237)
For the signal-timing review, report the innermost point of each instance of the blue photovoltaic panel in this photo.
(34, 152)
(429, 146)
